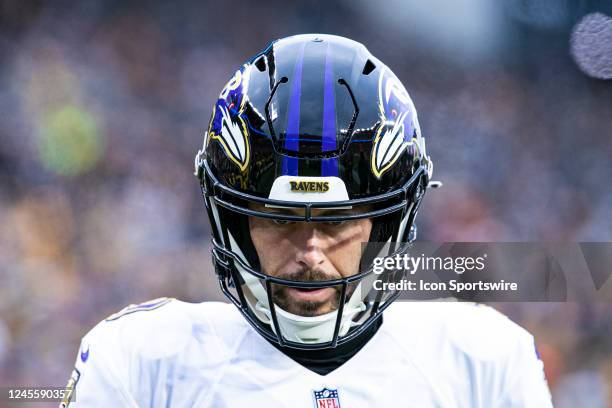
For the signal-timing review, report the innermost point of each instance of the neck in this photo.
(325, 361)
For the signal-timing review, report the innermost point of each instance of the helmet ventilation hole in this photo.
(260, 63)
(368, 67)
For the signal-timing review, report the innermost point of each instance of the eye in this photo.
(282, 222)
(335, 223)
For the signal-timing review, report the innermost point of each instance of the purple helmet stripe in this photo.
(329, 167)
(292, 138)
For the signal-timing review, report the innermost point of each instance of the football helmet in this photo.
(312, 122)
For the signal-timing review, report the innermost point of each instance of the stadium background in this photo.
(103, 106)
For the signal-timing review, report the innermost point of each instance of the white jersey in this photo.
(176, 354)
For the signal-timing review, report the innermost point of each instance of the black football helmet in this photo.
(312, 122)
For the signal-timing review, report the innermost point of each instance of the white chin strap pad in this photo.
(315, 329)
(304, 329)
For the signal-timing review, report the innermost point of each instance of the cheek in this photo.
(366, 229)
(346, 259)
(347, 256)
(272, 249)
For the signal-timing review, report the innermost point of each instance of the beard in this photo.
(282, 298)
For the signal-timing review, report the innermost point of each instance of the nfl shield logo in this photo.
(326, 398)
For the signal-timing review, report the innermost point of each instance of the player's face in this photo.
(309, 251)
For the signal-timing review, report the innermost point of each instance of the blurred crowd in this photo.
(103, 107)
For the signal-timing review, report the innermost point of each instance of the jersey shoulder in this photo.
(164, 327)
(471, 349)
(122, 358)
(474, 329)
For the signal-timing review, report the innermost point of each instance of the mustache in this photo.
(308, 275)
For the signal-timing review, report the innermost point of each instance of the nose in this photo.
(311, 244)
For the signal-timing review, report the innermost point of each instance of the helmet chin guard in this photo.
(312, 123)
